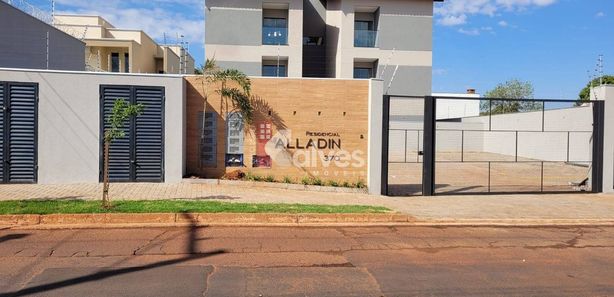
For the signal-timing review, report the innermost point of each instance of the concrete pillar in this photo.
(376, 111)
(606, 93)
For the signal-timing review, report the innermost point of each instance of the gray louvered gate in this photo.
(139, 156)
(208, 143)
(2, 132)
(149, 136)
(18, 132)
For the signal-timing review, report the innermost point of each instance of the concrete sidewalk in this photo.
(532, 209)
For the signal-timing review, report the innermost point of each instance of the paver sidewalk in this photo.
(512, 209)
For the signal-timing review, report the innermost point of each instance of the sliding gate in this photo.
(472, 145)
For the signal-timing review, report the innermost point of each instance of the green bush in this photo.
(306, 181)
(360, 184)
(248, 176)
(287, 180)
(333, 183)
(270, 179)
(346, 184)
(317, 181)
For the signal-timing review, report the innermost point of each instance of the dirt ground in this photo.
(472, 175)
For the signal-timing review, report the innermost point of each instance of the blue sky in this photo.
(477, 43)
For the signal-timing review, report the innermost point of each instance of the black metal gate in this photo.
(472, 145)
(139, 156)
(18, 132)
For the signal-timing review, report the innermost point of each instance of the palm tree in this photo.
(239, 94)
(231, 85)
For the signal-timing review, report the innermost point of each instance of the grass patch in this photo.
(172, 206)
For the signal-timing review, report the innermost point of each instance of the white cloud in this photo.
(154, 17)
(600, 14)
(470, 32)
(440, 71)
(457, 12)
(503, 24)
(453, 20)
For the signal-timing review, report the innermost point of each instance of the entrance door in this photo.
(139, 156)
(18, 132)
(403, 135)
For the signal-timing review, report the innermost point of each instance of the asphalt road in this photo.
(233, 261)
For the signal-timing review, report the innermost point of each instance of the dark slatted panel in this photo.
(2, 131)
(119, 153)
(208, 144)
(234, 129)
(150, 135)
(22, 131)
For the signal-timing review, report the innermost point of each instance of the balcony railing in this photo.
(365, 38)
(274, 36)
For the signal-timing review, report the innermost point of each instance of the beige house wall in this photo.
(100, 36)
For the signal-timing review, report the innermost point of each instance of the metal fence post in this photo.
(385, 143)
(598, 146)
(428, 169)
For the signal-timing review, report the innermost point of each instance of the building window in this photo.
(275, 70)
(127, 63)
(364, 34)
(274, 31)
(313, 40)
(363, 72)
(234, 139)
(114, 62)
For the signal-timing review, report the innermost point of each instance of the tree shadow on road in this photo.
(191, 250)
(13, 236)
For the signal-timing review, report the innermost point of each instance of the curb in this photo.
(122, 220)
(282, 186)
(107, 220)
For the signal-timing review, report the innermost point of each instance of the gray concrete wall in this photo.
(408, 80)
(233, 34)
(69, 122)
(233, 22)
(23, 43)
(416, 33)
(249, 68)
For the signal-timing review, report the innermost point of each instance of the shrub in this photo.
(333, 183)
(248, 176)
(306, 181)
(317, 181)
(270, 179)
(253, 177)
(287, 180)
(235, 175)
(346, 184)
(360, 184)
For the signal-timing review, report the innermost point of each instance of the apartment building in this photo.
(33, 43)
(111, 49)
(387, 39)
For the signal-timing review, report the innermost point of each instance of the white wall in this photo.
(606, 93)
(457, 108)
(374, 182)
(69, 122)
(550, 145)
